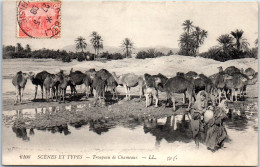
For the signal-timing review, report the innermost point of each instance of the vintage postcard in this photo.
(129, 83)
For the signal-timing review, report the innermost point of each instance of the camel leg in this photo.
(225, 94)
(71, 90)
(113, 93)
(146, 99)
(232, 94)
(63, 95)
(156, 100)
(173, 102)
(42, 90)
(21, 98)
(236, 95)
(17, 94)
(129, 93)
(75, 90)
(190, 99)
(36, 88)
(140, 91)
(87, 91)
(52, 93)
(103, 92)
(125, 91)
(46, 91)
(219, 95)
(100, 101)
(20, 94)
(184, 97)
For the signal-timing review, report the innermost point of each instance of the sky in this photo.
(147, 24)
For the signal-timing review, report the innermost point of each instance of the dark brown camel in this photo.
(179, 84)
(191, 74)
(108, 79)
(202, 82)
(37, 80)
(231, 70)
(19, 81)
(79, 78)
(219, 84)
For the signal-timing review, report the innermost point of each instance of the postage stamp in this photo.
(38, 19)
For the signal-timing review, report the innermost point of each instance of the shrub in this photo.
(105, 55)
(170, 53)
(115, 56)
(141, 55)
(81, 57)
(65, 57)
(150, 53)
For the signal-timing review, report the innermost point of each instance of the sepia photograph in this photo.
(129, 83)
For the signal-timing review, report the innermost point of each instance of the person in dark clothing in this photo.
(207, 124)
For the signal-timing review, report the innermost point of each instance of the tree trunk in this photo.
(95, 54)
(126, 52)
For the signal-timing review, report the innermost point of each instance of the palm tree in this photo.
(127, 44)
(96, 41)
(81, 44)
(226, 42)
(18, 47)
(28, 48)
(199, 37)
(187, 26)
(187, 44)
(241, 43)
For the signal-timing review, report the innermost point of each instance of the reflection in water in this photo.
(59, 119)
(100, 127)
(19, 127)
(174, 129)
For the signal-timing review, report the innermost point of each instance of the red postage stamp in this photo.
(38, 19)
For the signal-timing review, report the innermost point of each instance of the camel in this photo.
(254, 79)
(149, 93)
(202, 82)
(99, 86)
(51, 86)
(250, 72)
(19, 81)
(191, 74)
(151, 88)
(130, 80)
(37, 80)
(179, 84)
(231, 70)
(234, 82)
(218, 81)
(79, 78)
(63, 83)
(109, 81)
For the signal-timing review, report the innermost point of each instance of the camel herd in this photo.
(226, 84)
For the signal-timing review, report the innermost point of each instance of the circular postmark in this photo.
(38, 19)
